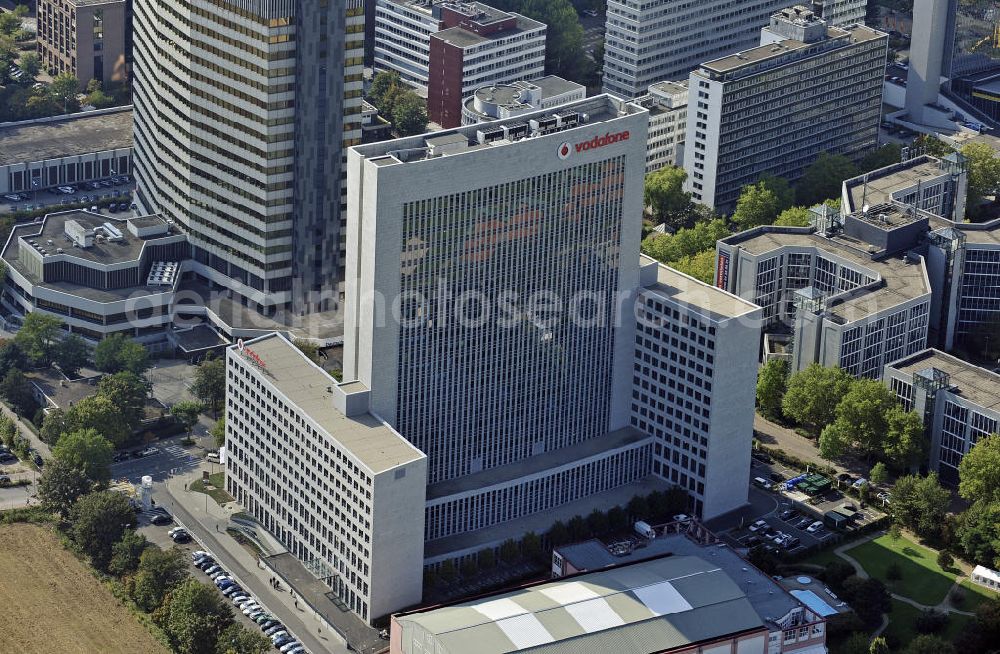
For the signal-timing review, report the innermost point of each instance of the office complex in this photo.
(960, 404)
(89, 39)
(242, 112)
(450, 49)
(523, 96)
(771, 110)
(840, 12)
(491, 321)
(655, 40)
(667, 103)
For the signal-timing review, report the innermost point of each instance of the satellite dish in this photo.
(864, 209)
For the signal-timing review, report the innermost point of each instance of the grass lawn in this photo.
(923, 580)
(218, 493)
(823, 558)
(54, 604)
(902, 624)
(975, 595)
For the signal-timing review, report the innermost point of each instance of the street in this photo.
(593, 31)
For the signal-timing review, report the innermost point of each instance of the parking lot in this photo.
(116, 187)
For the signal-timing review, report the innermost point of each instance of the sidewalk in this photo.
(207, 522)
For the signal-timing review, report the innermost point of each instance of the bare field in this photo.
(52, 603)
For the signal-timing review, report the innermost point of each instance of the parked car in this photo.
(213, 457)
(281, 641)
(181, 537)
(161, 518)
(7, 457)
(119, 456)
(760, 524)
(267, 624)
(787, 514)
(147, 451)
(814, 527)
(763, 483)
(804, 522)
(288, 647)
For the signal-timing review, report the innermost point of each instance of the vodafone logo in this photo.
(566, 149)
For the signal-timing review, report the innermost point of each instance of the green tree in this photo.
(920, 503)
(382, 85)
(834, 441)
(564, 52)
(887, 155)
(54, 426)
(128, 392)
(878, 474)
(160, 571)
(237, 639)
(685, 242)
(979, 471)
(39, 336)
(701, 266)
(823, 178)
(905, 443)
(192, 616)
(664, 193)
(928, 644)
(782, 190)
(813, 395)
(31, 65)
(118, 352)
(11, 356)
(933, 145)
(209, 384)
(17, 391)
(984, 173)
(862, 411)
(309, 349)
(979, 533)
(869, 599)
(794, 217)
(61, 485)
(101, 414)
(99, 521)
(409, 113)
(125, 554)
(10, 21)
(71, 354)
(186, 413)
(757, 205)
(219, 431)
(63, 92)
(86, 450)
(945, 560)
(856, 643)
(772, 382)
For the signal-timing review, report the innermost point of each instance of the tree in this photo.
(409, 113)
(813, 395)
(311, 350)
(945, 560)
(861, 413)
(597, 522)
(237, 639)
(928, 644)
(487, 559)
(878, 474)
(887, 155)
(931, 621)
(564, 52)
(87, 451)
(794, 217)
(757, 205)
(920, 503)
(31, 65)
(63, 92)
(979, 533)
(823, 178)
(61, 485)
(869, 599)
(54, 426)
(933, 145)
(128, 392)
(772, 381)
(701, 266)
(782, 190)
(38, 337)
(186, 413)
(102, 415)
(984, 172)
(878, 646)
(382, 85)
(118, 352)
(11, 356)
(192, 616)
(219, 431)
(17, 391)
(126, 553)
(10, 22)
(664, 193)
(99, 521)
(160, 571)
(71, 354)
(856, 643)
(904, 444)
(685, 242)
(509, 551)
(834, 441)
(210, 383)
(979, 471)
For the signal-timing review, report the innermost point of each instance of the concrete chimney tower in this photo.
(931, 44)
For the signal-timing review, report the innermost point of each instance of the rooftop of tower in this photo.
(67, 136)
(976, 384)
(714, 303)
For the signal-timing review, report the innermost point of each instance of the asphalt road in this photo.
(54, 201)
(593, 31)
(171, 459)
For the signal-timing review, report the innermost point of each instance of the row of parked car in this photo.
(280, 637)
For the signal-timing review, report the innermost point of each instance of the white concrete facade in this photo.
(667, 103)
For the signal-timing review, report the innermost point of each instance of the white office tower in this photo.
(931, 53)
(242, 111)
(771, 110)
(654, 40)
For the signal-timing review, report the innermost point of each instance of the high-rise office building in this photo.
(655, 40)
(840, 12)
(771, 110)
(89, 39)
(242, 114)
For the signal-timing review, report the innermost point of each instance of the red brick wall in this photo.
(444, 84)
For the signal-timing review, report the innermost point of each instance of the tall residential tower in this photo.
(243, 109)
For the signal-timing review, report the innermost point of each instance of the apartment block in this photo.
(960, 403)
(667, 103)
(449, 49)
(694, 374)
(245, 151)
(654, 40)
(89, 39)
(771, 110)
(342, 490)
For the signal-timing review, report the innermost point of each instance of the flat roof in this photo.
(971, 382)
(374, 443)
(463, 38)
(76, 134)
(902, 281)
(650, 606)
(61, 392)
(712, 302)
(552, 85)
(878, 186)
